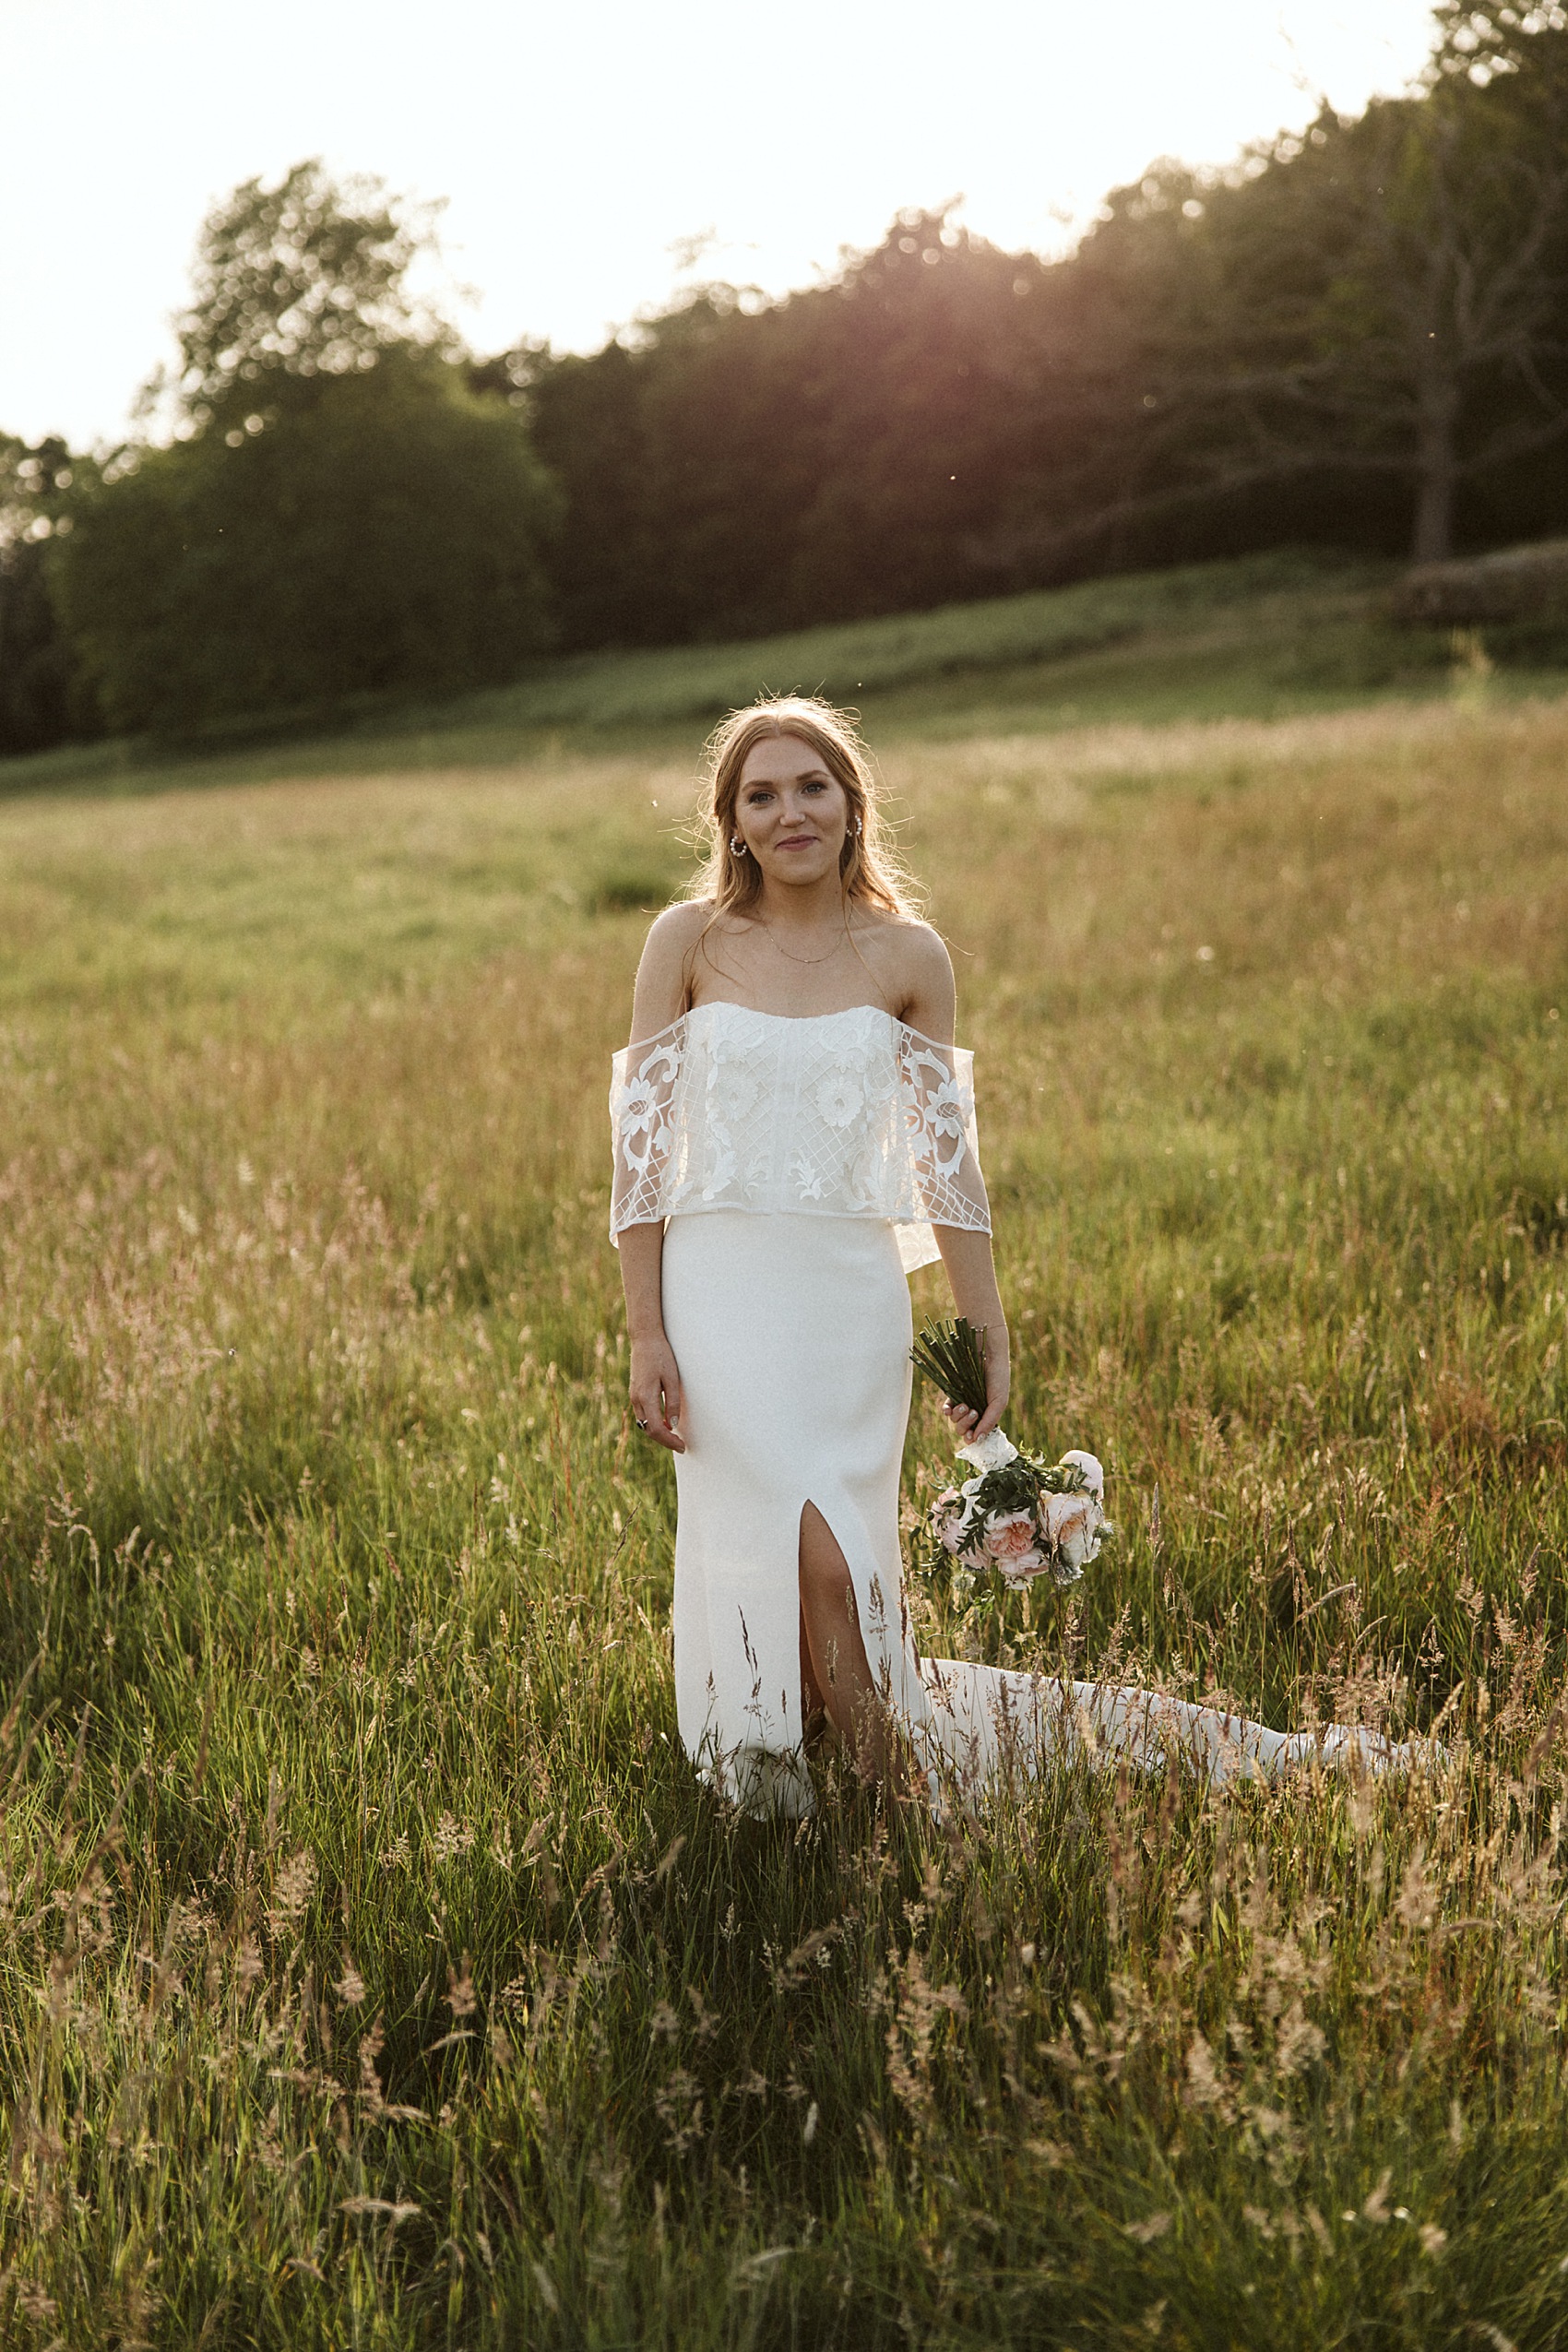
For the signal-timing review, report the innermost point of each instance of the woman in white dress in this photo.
(794, 1132)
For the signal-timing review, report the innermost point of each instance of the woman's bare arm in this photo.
(657, 1399)
(659, 999)
(972, 1274)
(930, 1006)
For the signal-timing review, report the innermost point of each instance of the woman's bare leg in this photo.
(816, 1725)
(836, 1671)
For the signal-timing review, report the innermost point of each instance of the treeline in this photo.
(1356, 335)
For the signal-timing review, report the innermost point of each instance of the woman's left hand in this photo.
(997, 1384)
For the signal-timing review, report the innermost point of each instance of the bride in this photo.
(794, 1133)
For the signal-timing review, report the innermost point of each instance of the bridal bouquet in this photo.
(1018, 1515)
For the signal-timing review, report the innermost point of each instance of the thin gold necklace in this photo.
(803, 959)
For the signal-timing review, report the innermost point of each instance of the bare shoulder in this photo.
(922, 953)
(679, 928)
(663, 973)
(916, 972)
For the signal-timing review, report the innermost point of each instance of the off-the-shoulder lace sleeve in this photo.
(937, 1086)
(831, 1114)
(644, 1092)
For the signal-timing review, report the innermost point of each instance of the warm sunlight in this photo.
(783, 1176)
(580, 148)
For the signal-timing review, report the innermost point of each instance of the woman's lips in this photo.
(799, 841)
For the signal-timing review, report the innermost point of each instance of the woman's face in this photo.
(790, 811)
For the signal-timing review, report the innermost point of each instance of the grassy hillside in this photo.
(373, 1971)
(1265, 637)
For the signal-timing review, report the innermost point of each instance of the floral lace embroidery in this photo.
(842, 1113)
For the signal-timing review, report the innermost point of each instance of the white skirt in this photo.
(792, 1337)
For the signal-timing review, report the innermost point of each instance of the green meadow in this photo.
(1260, 636)
(373, 1971)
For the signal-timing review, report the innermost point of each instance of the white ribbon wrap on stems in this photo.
(992, 1453)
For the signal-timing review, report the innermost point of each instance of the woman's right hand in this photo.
(658, 1403)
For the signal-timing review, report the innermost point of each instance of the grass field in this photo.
(1261, 636)
(371, 1971)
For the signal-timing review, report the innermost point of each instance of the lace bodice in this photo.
(836, 1115)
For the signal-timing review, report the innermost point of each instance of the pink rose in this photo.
(947, 1515)
(1010, 1542)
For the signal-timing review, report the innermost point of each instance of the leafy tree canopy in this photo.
(382, 535)
(1356, 333)
(41, 699)
(340, 512)
(1382, 295)
(305, 278)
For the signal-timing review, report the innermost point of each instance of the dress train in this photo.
(989, 1722)
(798, 1165)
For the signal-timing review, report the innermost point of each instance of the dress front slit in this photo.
(792, 1336)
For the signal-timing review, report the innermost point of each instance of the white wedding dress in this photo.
(799, 1164)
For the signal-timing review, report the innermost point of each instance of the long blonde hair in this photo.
(870, 870)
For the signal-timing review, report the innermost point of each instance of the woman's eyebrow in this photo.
(802, 776)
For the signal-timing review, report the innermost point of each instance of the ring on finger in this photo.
(642, 1424)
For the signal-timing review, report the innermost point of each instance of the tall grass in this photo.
(372, 1970)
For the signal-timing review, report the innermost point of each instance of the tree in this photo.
(306, 279)
(339, 513)
(380, 533)
(737, 466)
(41, 696)
(1381, 297)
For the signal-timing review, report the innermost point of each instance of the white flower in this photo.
(1094, 1474)
(639, 1107)
(1074, 1524)
(839, 1098)
(944, 1110)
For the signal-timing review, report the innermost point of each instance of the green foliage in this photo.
(375, 530)
(744, 470)
(1356, 336)
(337, 512)
(304, 278)
(41, 695)
(1385, 292)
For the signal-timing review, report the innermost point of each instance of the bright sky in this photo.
(580, 141)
